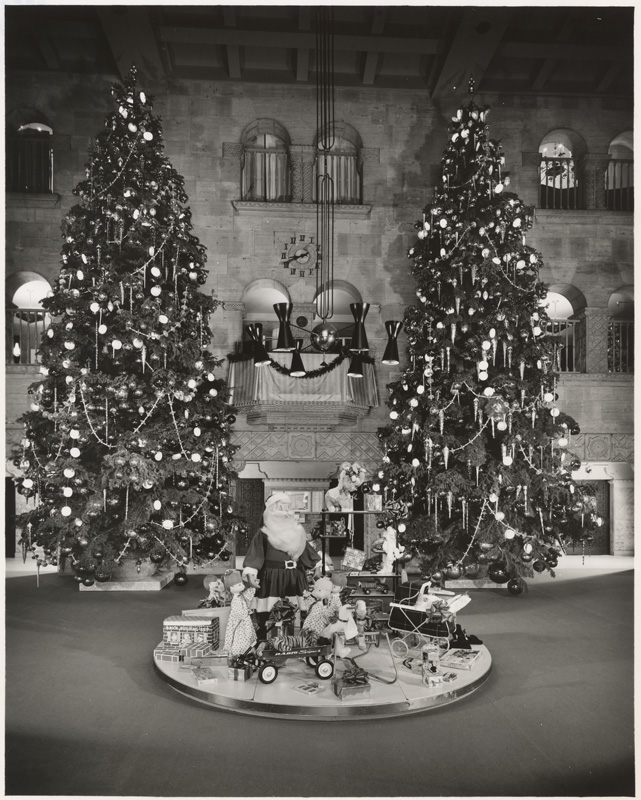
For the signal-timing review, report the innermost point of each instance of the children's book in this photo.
(460, 659)
(308, 688)
(205, 675)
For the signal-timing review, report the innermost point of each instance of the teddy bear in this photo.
(391, 551)
(322, 604)
(341, 631)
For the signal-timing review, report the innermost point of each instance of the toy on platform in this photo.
(390, 550)
(342, 631)
(278, 557)
(341, 497)
(218, 596)
(240, 635)
(324, 602)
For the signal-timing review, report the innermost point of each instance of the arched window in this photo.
(561, 304)
(25, 319)
(621, 330)
(259, 299)
(619, 177)
(265, 173)
(29, 160)
(342, 163)
(560, 152)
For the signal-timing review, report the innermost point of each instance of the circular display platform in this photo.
(298, 692)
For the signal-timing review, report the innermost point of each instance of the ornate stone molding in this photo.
(232, 305)
(306, 209)
(307, 445)
(600, 447)
(233, 149)
(370, 155)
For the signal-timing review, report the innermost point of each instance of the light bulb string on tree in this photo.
(132, 147)
(475, 534)
(95, 433)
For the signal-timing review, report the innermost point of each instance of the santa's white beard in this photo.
(284, 532)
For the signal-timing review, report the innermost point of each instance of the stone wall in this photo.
(403, 135)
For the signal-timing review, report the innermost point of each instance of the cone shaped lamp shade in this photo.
(285, 342)
(355, 366)
(390, 356)
(359, 337)
(297, 369)
(261, 356)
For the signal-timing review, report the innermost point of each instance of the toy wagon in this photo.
(373, 585)
(269, 660)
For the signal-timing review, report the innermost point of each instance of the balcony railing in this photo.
(564, 331)
(24, 329)
(620, 346)
(619, 185)
(559, 184)
(29, 165)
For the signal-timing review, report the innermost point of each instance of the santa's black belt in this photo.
(280, 564)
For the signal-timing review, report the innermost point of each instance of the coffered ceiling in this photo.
(507, 49)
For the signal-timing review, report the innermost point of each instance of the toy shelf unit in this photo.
(330, 530)
(377, 590)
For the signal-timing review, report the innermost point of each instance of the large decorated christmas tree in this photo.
(477, 447)
(127, 443)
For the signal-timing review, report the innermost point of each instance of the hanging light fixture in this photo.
(324, 334)
(297, 369)
(390, 356)
(355, 366)
(261, 356)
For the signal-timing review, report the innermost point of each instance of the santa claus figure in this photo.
(278, 557)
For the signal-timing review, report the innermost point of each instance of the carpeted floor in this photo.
(86, 714)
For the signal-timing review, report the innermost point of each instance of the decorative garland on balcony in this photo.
(315, 373)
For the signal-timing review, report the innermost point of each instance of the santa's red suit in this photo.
(279, 555)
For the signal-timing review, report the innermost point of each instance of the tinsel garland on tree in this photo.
(477, 447)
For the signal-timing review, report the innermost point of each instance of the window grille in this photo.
(564, 330)
(265, 174)
(558, 183)
(620, 346)
(619, 185)
(29, 162)
(25, 327)
(342, 165)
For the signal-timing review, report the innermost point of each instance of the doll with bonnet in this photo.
(240, 635)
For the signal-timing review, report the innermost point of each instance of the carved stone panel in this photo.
(301, 445)
(622, 448)
(623, 518)
(597, 447)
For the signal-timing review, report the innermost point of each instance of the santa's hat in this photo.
(277, 497)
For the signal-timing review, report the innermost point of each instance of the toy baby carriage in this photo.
(432, 620)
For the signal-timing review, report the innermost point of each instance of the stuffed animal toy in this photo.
(320, 610)
(342, 631)
(391, 551)
(218, 596)
(340, 498)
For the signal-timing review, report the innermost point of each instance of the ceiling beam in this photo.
(357, 44)
(564, 51)
(302, 53)
(48, 52)
(565, 31)
(371, 59)
(130, 36)
(474, 45)
(233, 50)
(608, 79)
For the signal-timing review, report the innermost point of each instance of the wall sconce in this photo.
(390, 356)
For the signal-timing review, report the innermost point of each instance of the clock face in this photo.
(299, 255)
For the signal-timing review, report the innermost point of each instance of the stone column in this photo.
(529, 179)
(622, 517)
(592, 179)
(594, 342)
(303, 310)
(308, 154)
(296, 161)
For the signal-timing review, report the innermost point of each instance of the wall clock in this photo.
(300, 255)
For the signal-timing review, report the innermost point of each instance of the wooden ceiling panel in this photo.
(557, 49)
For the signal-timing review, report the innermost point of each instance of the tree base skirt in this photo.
(152, 583)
